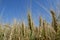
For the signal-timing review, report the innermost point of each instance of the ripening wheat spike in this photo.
(30, 25)
(12, 30)
(29, 21)
(44, 29)
(40, 21)
(54, 20)
(23, 28)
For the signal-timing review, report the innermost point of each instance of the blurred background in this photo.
(18, 9)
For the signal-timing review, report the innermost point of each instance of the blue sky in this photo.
(10, 9)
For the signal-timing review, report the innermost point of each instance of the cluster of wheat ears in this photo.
(20, 31)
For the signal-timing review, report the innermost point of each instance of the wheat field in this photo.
(21, 31)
